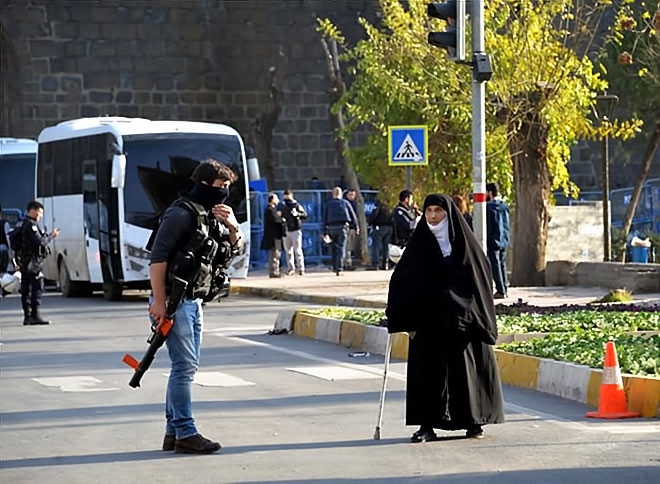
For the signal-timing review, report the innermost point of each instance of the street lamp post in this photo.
(608, 102)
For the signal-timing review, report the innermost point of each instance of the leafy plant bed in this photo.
(638, 355)
(573, 336)
(517, 309)
(610, 322)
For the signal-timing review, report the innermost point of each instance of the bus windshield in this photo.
(158, 168)
(17, 180)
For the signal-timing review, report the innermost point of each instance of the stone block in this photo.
(89, 31)
(102, 14)
(65, 64)
(124, 97)
(560, 273)
(171, 98)
(89, 111)
(157, 98)
(45, 48)
(129, 110)
(50, 83)
(150, 112)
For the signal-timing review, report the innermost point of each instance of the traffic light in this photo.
(453, 38)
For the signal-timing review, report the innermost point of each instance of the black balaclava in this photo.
(207, 195)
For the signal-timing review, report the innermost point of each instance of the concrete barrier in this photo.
(638, 278)
(567, 380)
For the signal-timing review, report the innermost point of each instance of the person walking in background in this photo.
(463, 209)
(497, 238)
(338, 218)
(274, 232)
(404, 218)
(380, 221)
(440, 293)
(293, 214)
(352, 239)
(4, 243)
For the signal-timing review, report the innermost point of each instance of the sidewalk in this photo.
(369, 289)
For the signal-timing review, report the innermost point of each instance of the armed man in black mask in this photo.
(188, 245)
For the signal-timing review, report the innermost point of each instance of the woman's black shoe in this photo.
(475, 432)
(423, 435)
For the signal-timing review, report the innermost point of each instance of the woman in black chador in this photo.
(441, 293)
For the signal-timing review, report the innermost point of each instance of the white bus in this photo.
(18, 158)
(104, 182)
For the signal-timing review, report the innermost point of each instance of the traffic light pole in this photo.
(478, 128)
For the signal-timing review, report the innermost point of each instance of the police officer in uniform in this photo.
(30, 257)
(172, 244)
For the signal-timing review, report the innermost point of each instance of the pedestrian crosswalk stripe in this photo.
(75, 384)
(408, 151)
(217, 379)
(333, 373)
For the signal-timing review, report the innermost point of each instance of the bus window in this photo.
(158, 167)
(17, 179)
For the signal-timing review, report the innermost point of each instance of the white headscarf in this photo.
(441, 232)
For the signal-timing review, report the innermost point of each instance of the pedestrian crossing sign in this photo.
(408, 145)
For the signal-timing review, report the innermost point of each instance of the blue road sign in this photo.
(408, 145)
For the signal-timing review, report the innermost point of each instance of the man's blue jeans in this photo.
(497, 258)
(338, 245)
(184, 343)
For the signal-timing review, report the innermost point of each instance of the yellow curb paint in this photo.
(518, 370)
(352, 334)
(400, 345)
(593, 388)
(643, 395)
(304, 325)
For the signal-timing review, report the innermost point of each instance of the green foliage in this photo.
(575, 336)
(617, 295)
(636, 83)
(400, 79)
(638, 355)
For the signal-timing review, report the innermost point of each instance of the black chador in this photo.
(441, 293)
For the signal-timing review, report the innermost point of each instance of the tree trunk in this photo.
(654, 142)
(532, 184)
(335, 92)
(10, 90)
(265, 124)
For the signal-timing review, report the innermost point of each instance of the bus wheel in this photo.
(112, 291)
(64, 280)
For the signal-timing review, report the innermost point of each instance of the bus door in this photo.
(92, 215)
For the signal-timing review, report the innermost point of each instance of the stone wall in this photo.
(575, 233)
(196, 60)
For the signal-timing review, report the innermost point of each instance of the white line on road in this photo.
(623, 428)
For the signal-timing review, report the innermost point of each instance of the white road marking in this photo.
(74, 384)
(621, 428)
(307, 356)
(333, 373)
(218, 379)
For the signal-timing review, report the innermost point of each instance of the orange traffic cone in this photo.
(612, 399)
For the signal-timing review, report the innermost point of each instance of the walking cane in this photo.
(388, 352)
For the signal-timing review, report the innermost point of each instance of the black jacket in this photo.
(293, 213)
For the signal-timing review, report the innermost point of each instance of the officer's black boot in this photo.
(37, 319)
(26, 319)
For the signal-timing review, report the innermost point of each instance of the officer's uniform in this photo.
(33, 252)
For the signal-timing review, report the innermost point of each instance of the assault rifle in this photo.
(158, 334)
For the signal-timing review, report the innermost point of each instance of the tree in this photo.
(632, 66)
(265, 124)
(336, 91)
(541, 93)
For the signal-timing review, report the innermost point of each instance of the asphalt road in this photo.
(286, 409)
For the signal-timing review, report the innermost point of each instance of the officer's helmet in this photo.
(11, 282)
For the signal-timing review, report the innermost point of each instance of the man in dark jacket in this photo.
(405, 218)
(380, 221)
(170, 254)
(293, 214)
(274, 232)
(497, 238)
(30, 256)
(338, 218)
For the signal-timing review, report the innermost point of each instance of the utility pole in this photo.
(479, 121)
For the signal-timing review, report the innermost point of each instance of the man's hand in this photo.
(225, 214)
(55, 233)
(158, 311)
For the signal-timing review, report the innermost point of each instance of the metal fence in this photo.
(647, 213)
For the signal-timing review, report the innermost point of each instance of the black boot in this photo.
(26, 319)
(36, 319)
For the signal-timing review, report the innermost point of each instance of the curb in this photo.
(567, 380)
(285, 295)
